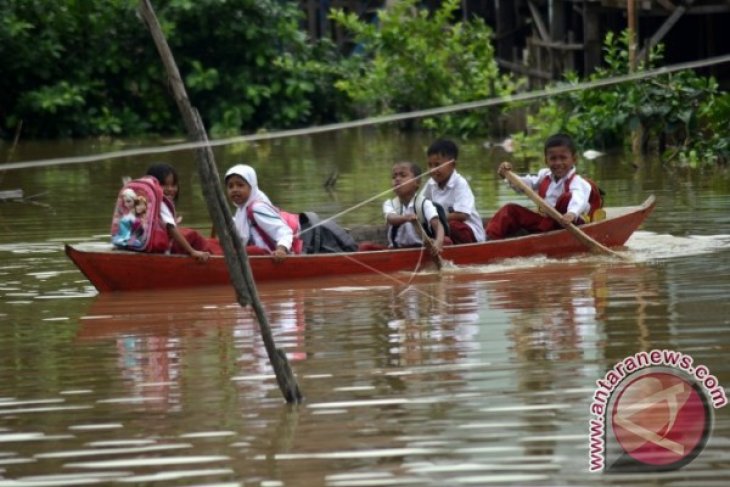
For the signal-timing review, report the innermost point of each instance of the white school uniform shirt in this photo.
(267, 217)
(166, 215)
(268, 221)
(406, 235)
(456, 196)
(580, 190)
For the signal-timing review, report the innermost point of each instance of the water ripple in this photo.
(150, 462)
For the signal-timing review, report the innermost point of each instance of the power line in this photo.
(429, 112)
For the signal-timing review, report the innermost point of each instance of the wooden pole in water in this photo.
(235, 252)
(632, 27)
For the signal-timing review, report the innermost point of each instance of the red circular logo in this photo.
(661, 419)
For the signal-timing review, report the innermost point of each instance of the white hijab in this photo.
(240, 219)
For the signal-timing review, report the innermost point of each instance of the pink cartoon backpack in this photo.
(136, 224)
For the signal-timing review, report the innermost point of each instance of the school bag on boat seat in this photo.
(136, 223)
(324, 237)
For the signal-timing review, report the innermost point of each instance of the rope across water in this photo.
(489, 102)
(527, 96)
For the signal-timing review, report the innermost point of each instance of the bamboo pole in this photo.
(235, 252)
(429, 244)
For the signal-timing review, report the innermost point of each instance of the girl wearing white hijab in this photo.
(257, 221)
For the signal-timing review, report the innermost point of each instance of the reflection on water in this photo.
(459, 379)
(151, 330)
(478, 376)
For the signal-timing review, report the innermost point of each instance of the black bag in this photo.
(323, 238)
(427, 225)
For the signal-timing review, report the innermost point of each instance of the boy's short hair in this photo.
(443, 147)
(560, 140)
(412, 166)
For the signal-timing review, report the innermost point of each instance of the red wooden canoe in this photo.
(117, 270)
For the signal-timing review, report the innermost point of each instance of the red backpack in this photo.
(136, 223)
(595, 199)
(292, 221)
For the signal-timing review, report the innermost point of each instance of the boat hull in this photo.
(115, 270)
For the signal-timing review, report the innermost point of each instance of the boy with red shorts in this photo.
(558, 184)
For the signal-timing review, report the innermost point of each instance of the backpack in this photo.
(291, 220)
(324, 238)
(595, 199)
(426, 225)
(136, 223)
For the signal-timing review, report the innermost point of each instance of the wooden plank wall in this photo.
(541, 39)
(319, 26)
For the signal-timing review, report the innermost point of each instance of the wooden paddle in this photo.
(429, 245)
(579, 234)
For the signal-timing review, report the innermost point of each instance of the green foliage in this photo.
(64, 65)
(710, 142)
(412, 59)
(235, 73)
(81, 68)
(682, 111)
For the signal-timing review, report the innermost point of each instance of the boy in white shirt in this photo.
(407, 209)
(558, 184)
(448, 188)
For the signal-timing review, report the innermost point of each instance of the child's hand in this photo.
(504, 168)
(436, 248)
(568, 218)
(200, 256)
(279, 254)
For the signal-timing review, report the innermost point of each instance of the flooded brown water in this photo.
(478, 376)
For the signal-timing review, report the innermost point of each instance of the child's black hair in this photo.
(445, 148)
(560, 140)
(160, 171)
(413, 167)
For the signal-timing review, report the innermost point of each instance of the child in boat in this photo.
(448, 188)
(184, 240)
(259, 224)
(407, 210)
(558, 184)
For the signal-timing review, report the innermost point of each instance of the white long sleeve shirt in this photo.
(267, 221)
(579, 188)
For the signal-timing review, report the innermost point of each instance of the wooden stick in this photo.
(18, 129)
(579, 234)
(437, 260)
(235, 252)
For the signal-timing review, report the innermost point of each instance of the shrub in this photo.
(411, 59)
(679, 113)
(82, 68)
